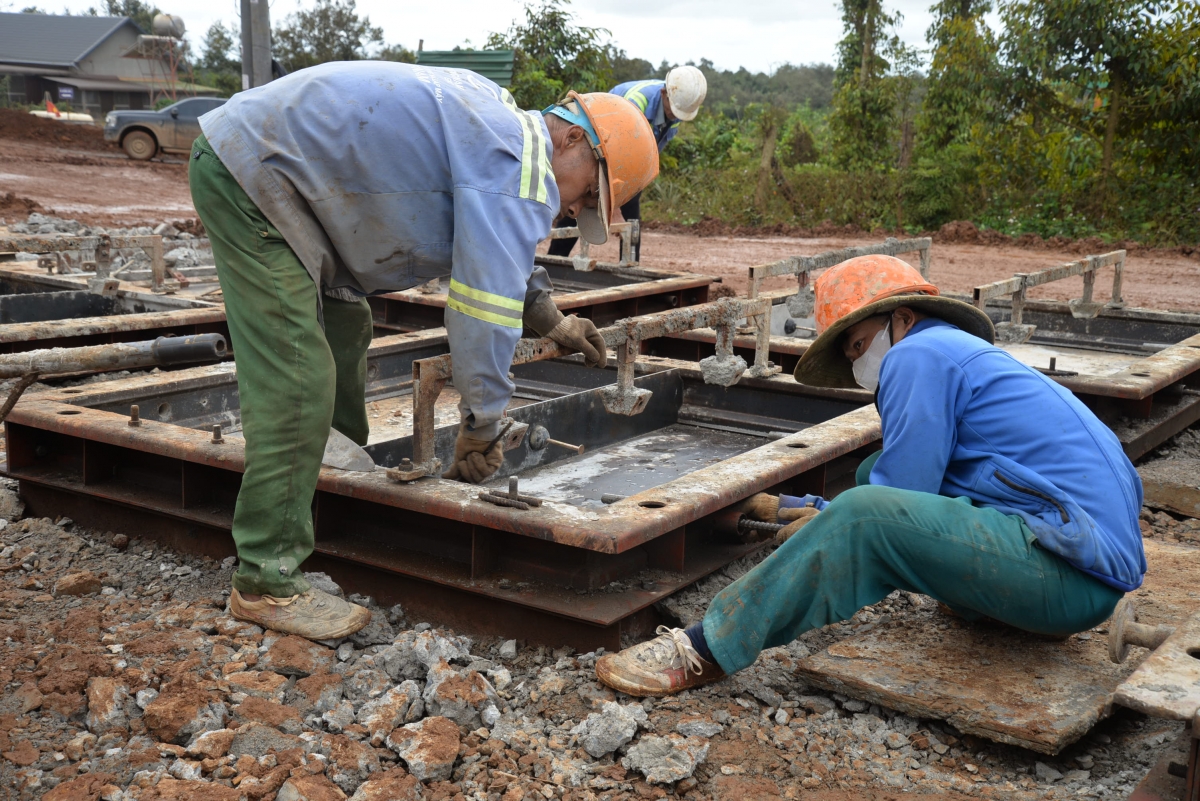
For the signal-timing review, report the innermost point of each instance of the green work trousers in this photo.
(296, 379)
(872, 540)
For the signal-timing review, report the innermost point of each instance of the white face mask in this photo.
(866, 367)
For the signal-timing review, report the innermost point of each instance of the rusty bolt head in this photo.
(135, 416)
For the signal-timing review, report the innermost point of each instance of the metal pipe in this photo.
(120, 356)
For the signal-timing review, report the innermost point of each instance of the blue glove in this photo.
(792, 502)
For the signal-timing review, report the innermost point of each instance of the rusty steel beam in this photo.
(647, 291)
(723, 367)
(801, 266)
(630, 234)
(1015, 330)
(80, 331)
(433, 542)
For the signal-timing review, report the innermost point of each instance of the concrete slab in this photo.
(994, 681)
(1173, 485)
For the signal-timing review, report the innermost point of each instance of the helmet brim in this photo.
(593, 222)
(825, 365)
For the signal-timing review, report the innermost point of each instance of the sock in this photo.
(695, 633)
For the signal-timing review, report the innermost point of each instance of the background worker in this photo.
(348, 179)
(997, 492)
(665, 103)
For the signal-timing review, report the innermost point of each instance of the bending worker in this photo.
(349, 179)
(664, 103)
(997, 492)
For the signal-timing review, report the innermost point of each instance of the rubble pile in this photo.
(125, 680)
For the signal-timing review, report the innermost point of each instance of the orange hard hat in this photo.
(863, 287)
(627, 153)
(847, 287)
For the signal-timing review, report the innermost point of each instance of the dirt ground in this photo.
(103, 187)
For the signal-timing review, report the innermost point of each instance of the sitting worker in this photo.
(997, 492)
(665, 104)
(355, 178)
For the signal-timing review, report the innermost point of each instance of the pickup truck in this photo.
(143, 134)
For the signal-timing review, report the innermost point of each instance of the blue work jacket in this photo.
(382, 176)
(962, 418)
(647, 96)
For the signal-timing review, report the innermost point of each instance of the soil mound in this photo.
(17, 207)
(24, 127)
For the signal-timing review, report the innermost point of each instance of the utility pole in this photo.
(256, 43)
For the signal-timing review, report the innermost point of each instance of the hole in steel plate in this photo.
(797, 444)
(651, 504)
(164, 411)
(1194, 653)
(70, 411)
(72, 392)
(1141, 375)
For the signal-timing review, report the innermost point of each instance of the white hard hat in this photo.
(686, 88)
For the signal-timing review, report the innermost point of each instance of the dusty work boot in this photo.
(313, 614)
(663, 666)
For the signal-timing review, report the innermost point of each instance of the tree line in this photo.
(1071, 118)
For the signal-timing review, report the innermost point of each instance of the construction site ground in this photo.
(123, 678)
(101, 186)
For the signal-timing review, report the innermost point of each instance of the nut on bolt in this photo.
(135, 415)
(217, 439)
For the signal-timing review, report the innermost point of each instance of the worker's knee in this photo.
(869, 500)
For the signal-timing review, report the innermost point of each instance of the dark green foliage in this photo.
(398, 53)
(554, 55)
(330, 31)
(219, 65)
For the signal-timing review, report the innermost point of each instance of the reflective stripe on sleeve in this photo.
(535, 164)
(635, 95)
(490, 308)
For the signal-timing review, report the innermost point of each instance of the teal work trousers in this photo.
(872, 540)
(296, 379)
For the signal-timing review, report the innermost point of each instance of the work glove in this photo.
(571, 332)
(799, 518)
(816, 501)
(475, 460)
(762, 507)
(578, 333)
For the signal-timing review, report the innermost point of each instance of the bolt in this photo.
(512, 488)
(217, 438)
(1053, 364)
(567, 445)
(134, 416)
(406, 463)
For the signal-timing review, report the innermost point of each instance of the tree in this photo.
(218, 67)
(964, 59)
(1105, 68)
(398, 53)
(331, 31)
(863, 118)
(220, 43)
(553, 55)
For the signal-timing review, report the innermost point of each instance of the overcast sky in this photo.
(756, 34)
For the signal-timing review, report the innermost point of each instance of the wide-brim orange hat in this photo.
(863, 287)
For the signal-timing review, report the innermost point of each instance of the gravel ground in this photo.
(125, 679)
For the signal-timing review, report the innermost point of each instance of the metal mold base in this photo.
(432, 544)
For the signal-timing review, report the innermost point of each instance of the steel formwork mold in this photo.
(75, 449)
